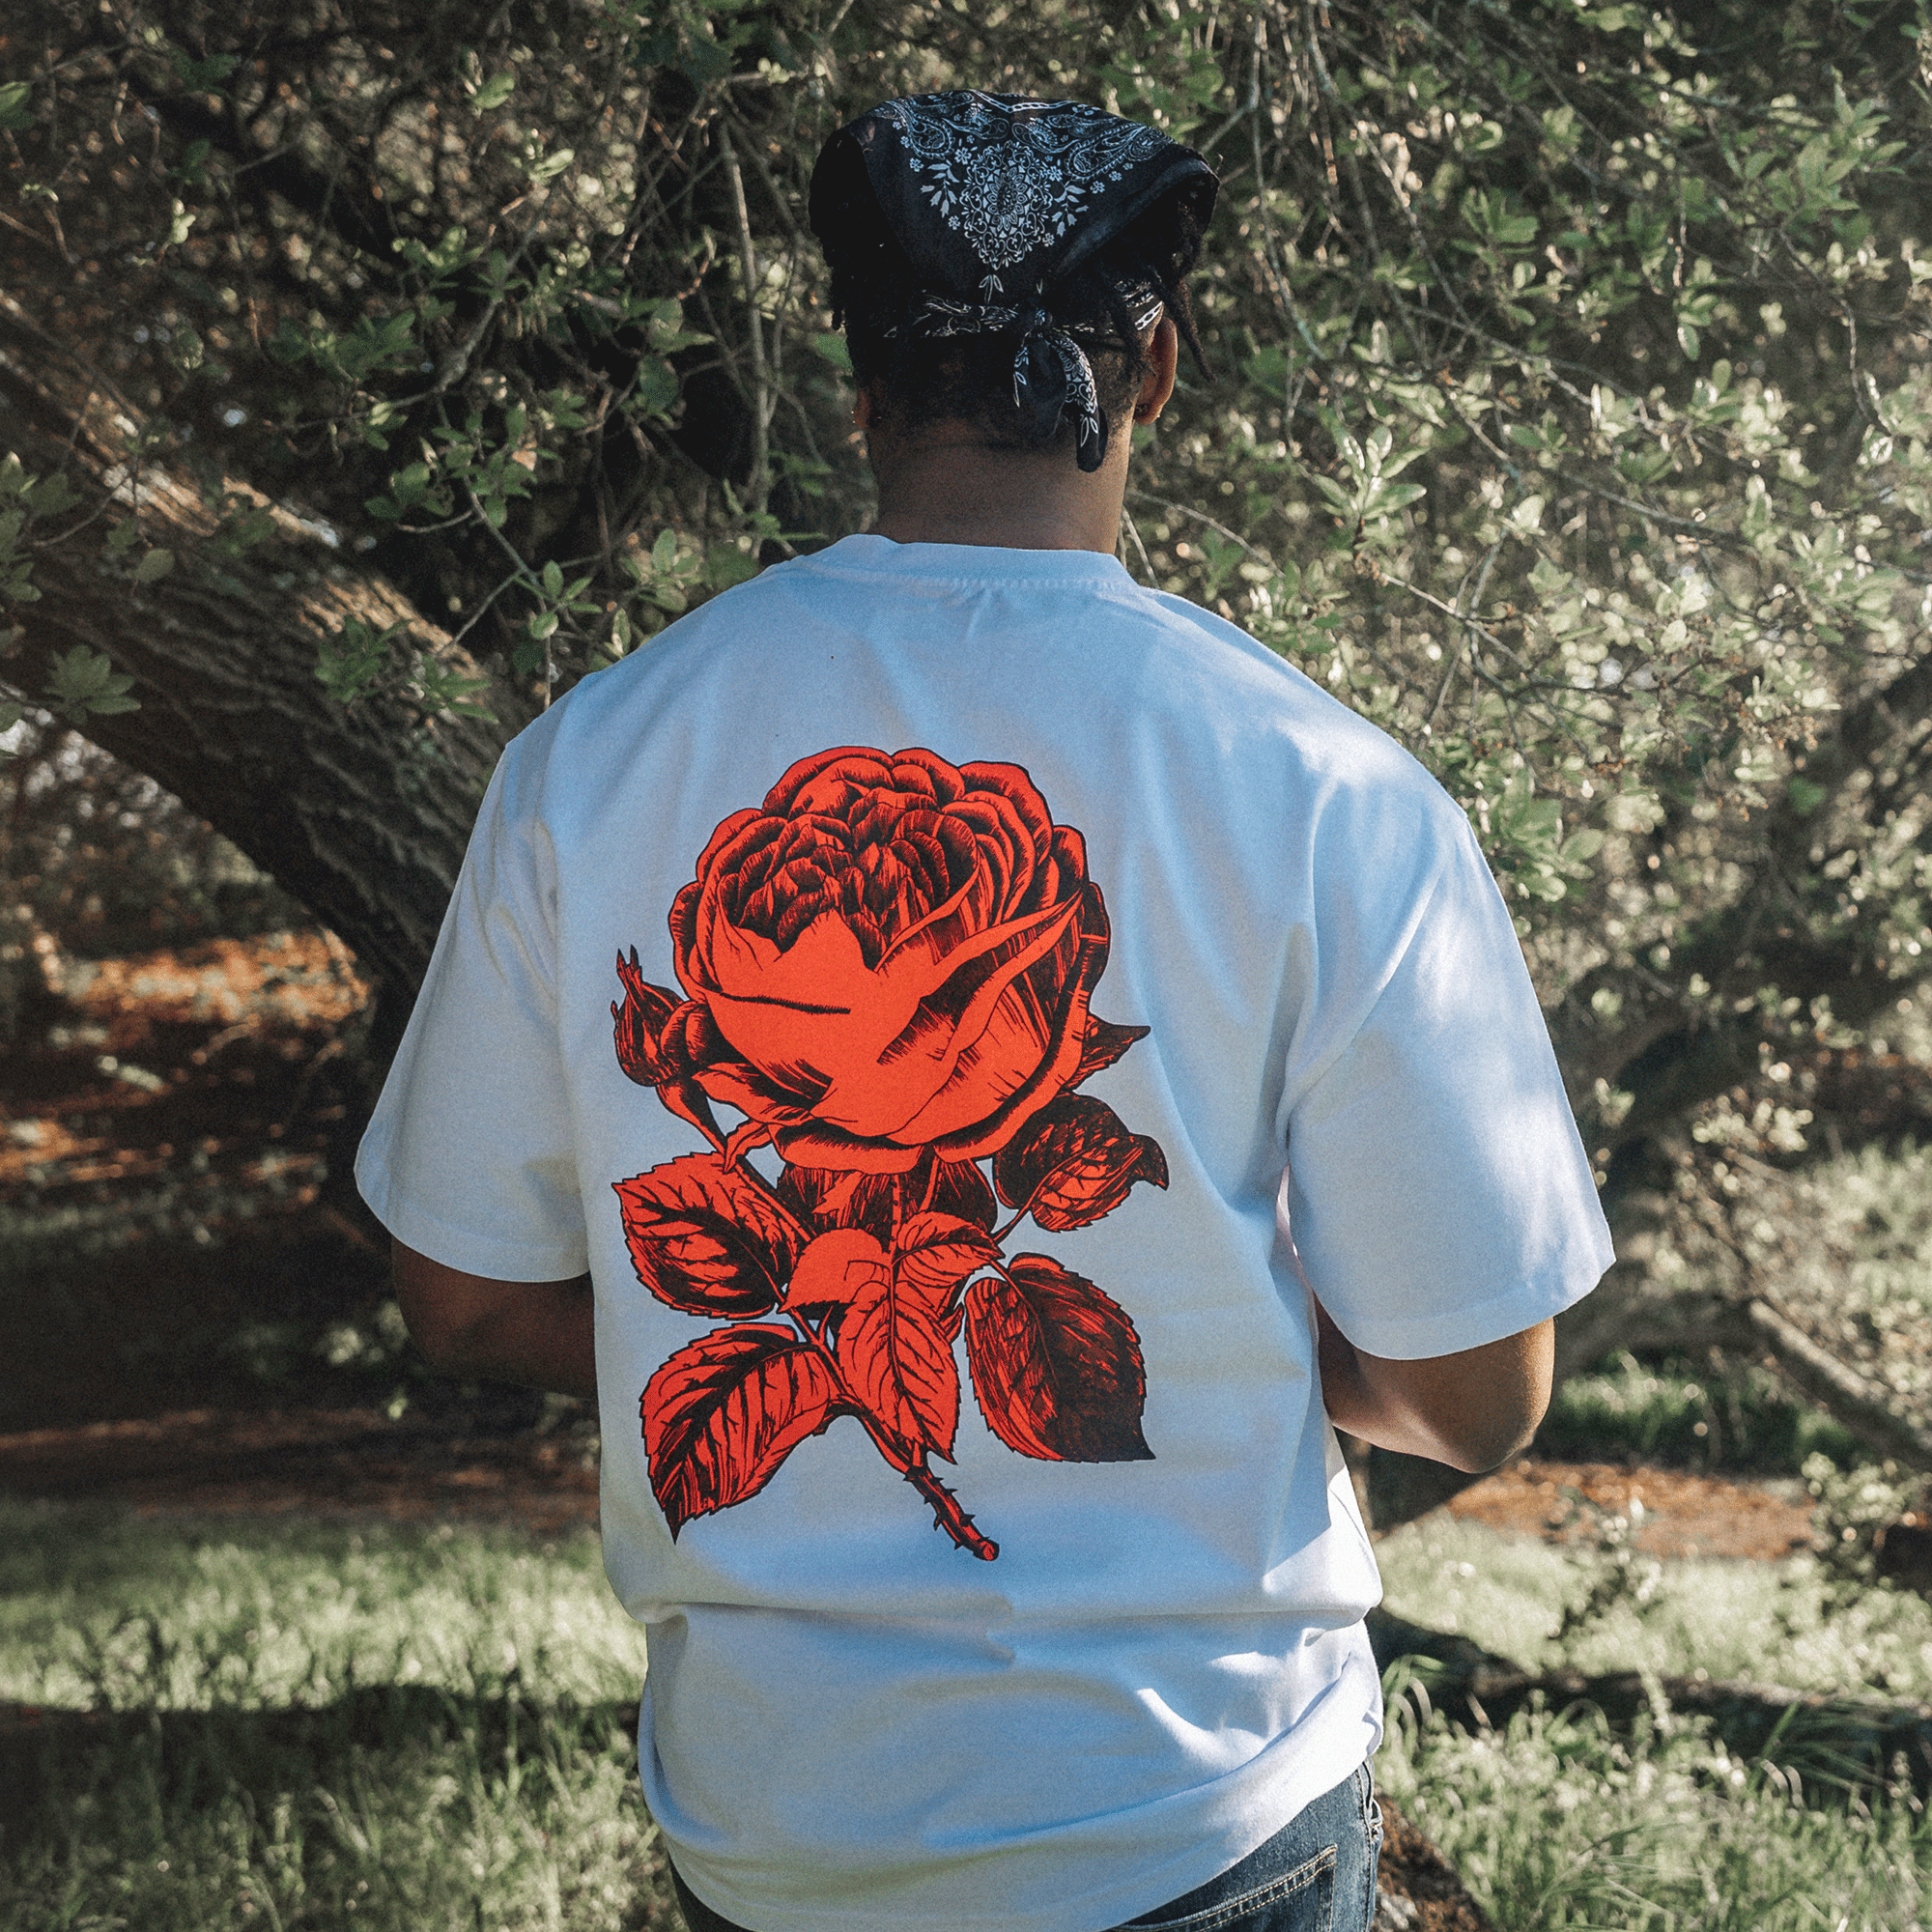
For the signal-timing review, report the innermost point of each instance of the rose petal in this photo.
(983, 1100)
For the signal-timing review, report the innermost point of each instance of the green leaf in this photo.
(85, 682)
(494, 91)
(725, 564)
(50, 496)
(832, 347)
(154, 566)
(656, 387)
(14, 113)
(202, 76)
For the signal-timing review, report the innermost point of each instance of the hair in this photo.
(970, 378)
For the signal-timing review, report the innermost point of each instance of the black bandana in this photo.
(995, 200)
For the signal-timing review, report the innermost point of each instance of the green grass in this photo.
(1559, 1821)
(1670, 1413)
(1790, 1623)
(327, 1727)
(1555, 1822)
(317, 1726)
(118, 1613)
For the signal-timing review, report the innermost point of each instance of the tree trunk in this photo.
(361, 812)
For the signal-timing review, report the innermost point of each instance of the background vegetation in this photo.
(373, 373)
(370, 374)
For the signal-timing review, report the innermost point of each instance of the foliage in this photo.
(1557, 1822)
(1728, 1415)
(1801, 1622)
(320, 1726)
(1575, 417)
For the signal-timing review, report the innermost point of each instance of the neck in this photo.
(945, 488)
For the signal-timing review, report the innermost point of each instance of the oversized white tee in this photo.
(925, 987)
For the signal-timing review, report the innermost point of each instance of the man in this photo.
(1020, 978)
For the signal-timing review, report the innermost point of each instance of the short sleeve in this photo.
(468, 1157)
(1437, 1193)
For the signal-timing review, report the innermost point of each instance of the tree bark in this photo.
(362, 812)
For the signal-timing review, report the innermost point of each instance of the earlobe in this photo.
(1163, 360)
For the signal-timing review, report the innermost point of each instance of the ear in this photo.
(1163, 359)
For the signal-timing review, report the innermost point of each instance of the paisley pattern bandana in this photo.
(995, 200)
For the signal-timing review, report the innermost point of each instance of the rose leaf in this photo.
(1076, 1161)
(722, 1413)
(897, 1359)
(1056, 1365)
(704, 1238)
(937, 1252)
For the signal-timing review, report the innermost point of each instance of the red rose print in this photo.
(1076, 1162)
(896, 954)
(885, 970)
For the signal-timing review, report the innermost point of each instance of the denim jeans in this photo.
(1316, 1874)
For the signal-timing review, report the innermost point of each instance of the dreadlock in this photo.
(969, 379)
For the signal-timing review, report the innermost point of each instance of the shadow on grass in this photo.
(188, 1758)
(393, 1807)
(1827, 1749)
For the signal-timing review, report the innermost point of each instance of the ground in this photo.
(190, 1305)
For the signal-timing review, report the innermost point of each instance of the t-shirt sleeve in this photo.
(1438, 1192)
(468, 1157)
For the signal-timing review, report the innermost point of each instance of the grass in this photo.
(116, 1613)
(316, 1726)
(1791, 1623)
(327, 1727)
(1669, 1412)
(1555, 1822)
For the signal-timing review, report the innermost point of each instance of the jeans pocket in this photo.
(1301, 1900)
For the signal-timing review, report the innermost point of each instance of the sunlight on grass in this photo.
(1745, 1420)
(120, 1614)
(1783, 1623)
(423, 1730)
(320, 1725)
(1556, 1822)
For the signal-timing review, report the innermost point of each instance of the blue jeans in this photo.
(1316, 1874)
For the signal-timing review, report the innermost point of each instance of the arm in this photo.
(1472, 1411)
(534, 1332)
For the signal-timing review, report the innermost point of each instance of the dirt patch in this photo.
(317, 1463)
(1670, 1512)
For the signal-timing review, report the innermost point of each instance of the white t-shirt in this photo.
(954, 870)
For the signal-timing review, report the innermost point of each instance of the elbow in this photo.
(438, 1339)
(440, 1316)
(1486, 1442)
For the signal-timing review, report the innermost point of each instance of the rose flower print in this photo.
(885, 970)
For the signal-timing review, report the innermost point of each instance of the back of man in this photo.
(898, 988)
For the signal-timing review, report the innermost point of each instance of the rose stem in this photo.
(947, 1515)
